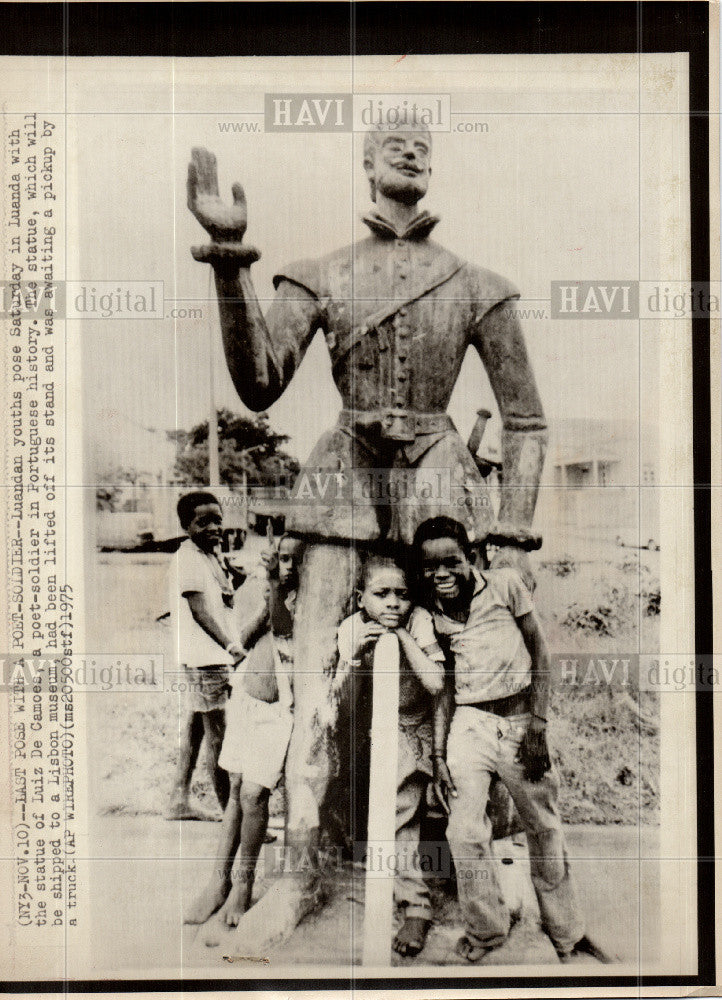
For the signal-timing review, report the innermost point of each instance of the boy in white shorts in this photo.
(201, 599)
(259, 720)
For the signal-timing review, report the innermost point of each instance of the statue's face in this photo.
(401, 166)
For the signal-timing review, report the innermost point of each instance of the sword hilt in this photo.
(477, 431)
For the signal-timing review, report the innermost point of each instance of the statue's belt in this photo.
(395, 425)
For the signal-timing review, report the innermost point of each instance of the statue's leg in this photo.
(327, 579)
(326, 584)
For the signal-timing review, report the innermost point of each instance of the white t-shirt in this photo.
(191, 570)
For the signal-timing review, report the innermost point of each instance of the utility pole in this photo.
(244, 480)
(214, 472)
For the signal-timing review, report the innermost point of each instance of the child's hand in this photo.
(533, 752)
(236, 574)
(269, 557)
(443, 784)
(237, 652)
(428, 672)
(270, 562)
(367, 638)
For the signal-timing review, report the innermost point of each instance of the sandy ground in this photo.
(140, 859)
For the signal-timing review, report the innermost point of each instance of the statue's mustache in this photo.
(405, 165)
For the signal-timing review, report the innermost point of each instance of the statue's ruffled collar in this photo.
(418, 229)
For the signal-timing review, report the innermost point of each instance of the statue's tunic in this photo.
(398, 312)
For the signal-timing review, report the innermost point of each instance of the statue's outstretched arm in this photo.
(500, 343)
(262, 353)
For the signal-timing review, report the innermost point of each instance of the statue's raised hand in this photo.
(225, 224)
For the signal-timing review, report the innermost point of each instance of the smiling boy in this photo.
(499, 726)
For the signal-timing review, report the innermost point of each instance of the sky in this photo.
(563, 184)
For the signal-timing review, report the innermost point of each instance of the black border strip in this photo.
(221, 29)
(334, 28)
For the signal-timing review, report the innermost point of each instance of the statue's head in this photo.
(398, 163)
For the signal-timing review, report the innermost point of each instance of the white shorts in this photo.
(256, 738)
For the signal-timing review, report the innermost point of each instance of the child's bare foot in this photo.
(411, 937)
(472, 951)
(188, 811)
(239, 899)
(210, 900)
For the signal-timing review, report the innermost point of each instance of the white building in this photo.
(599, 481)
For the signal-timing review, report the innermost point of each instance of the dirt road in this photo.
(142, 859)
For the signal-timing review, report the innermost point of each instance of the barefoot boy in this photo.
(202, 587)
(385, 606)
(258, 729)
(501, 679)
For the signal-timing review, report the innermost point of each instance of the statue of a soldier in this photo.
(398, 312)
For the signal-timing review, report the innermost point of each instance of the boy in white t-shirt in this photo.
(202, 586)
(385, 606)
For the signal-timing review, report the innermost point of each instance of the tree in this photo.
(113, 483)
(246, 445)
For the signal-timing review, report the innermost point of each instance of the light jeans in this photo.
(481, 744)
(411, 890)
